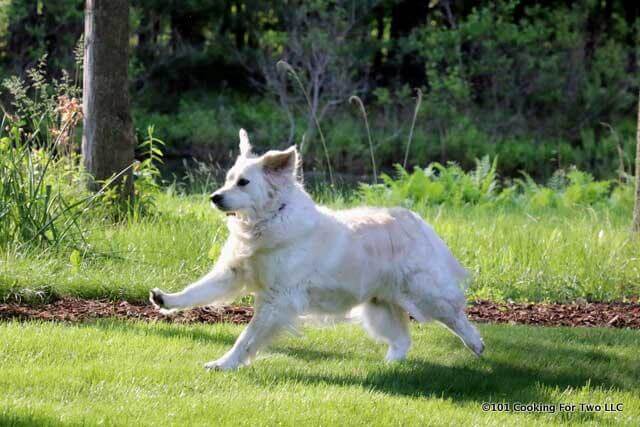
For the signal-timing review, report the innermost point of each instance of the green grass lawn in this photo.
(126, 373)
(557, 255)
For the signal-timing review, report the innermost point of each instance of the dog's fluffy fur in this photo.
(298, 258)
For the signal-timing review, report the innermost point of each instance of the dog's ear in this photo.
(245, 145)
(281, 162)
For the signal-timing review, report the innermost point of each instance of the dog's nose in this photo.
(216, 198)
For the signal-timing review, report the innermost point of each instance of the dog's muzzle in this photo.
(218, 201)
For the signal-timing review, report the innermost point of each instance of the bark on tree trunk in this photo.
(107, 141)
(636, 210)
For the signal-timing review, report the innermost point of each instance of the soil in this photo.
(80, 310)
(600, 314)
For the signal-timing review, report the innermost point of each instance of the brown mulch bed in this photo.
(79, 310)
(601, 314)
(614, 314)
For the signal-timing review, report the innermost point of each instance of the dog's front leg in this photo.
(265, 324)
(218, 284)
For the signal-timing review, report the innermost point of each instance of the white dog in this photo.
(298, 258)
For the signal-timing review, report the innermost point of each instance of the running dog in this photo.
(298, 258)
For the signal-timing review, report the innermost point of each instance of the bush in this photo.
(205, 127)
(40, 175)
(40, 203)
(42, 182)
(451, 185)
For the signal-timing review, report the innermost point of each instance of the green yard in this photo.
(120, 373)
(514, 123)
(128, 373)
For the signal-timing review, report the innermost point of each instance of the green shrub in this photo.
(43, 200)
(583, 190)
(147, 184)
(623, 197)
(451, 185)
(40, 204)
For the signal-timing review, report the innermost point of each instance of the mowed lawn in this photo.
(127, 373)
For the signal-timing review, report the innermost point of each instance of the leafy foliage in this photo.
(147, 183)
(43, 201)
(531, 83)
(38, 204)
(40, 173)
(450, 185)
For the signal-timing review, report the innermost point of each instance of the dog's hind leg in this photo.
(444, 304)
(460, 325)
(387, 322)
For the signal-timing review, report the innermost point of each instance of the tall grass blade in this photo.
(357, 100)
(285, 66)
(413, 125)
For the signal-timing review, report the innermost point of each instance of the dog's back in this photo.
(402, 240)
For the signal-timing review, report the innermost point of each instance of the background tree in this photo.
(108, 139)
(37, 28)
(636, 210)
(530, 81)
(326, 43)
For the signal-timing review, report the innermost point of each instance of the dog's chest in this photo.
(269, 269)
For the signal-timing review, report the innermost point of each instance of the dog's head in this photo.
(255, 184)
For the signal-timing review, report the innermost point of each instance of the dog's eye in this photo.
(242, 182)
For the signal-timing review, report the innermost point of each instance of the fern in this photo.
(438, 184)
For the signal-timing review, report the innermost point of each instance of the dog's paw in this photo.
(222, 364)
(395, 356)
(478, 349)
(156, 296)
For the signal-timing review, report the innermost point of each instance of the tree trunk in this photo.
(636, 210)
(107, 141)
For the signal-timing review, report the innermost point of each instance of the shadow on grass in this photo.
(557, 363)
(421, 379)
(24, 420)
(307, 354)
(521, 365)
(517, 368)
